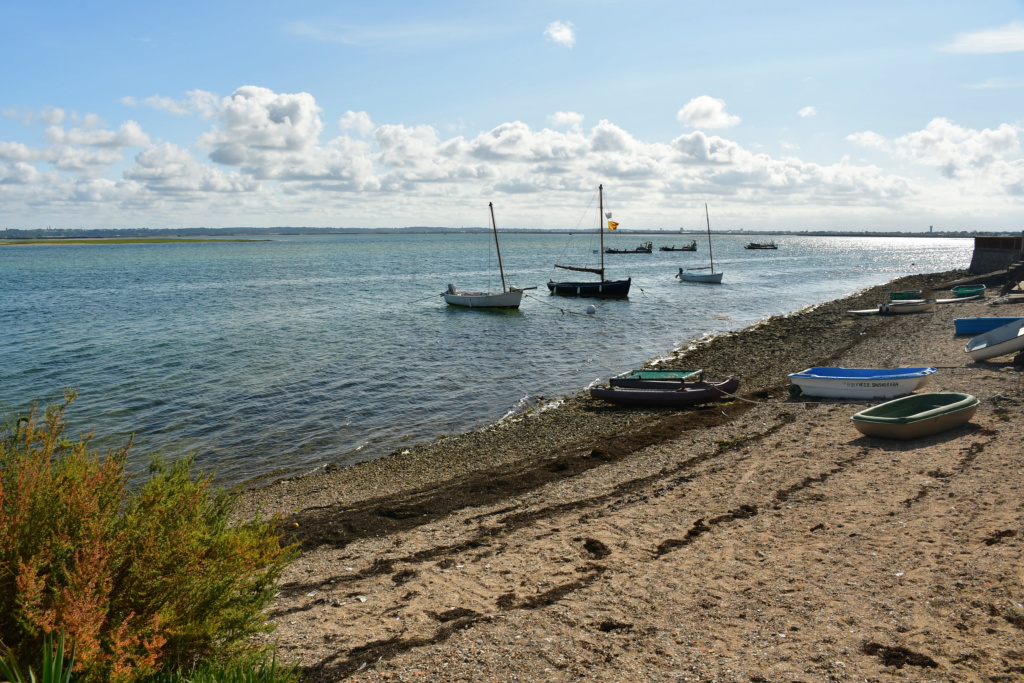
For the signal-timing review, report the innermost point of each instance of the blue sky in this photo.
(790, 115)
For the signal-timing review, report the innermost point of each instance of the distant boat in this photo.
(998, 342)
(601, 288)
(859, 383)
(643, 248)
(681, 395)
(692, 246)
(711, 277)
(912, 417)
(508, 297)
(761, 245)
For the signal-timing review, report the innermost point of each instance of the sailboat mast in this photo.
(497, 248)
(600, 223)
(710, 255)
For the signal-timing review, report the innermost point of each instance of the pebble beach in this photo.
(758, 539)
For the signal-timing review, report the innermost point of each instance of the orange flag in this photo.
(612, 225)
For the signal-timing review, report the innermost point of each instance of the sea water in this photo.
(270, 358)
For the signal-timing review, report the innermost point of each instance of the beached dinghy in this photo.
(862, 383)
(687, 394)
(915, 416)
(998, 342)
(898, 307)
(980, 325)
(968, 290)
(905, 294)
(655, 379)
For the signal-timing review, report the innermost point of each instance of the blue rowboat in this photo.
(915, 416)
(862, 383)
(980, 325)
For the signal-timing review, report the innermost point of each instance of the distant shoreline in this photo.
(118, 240)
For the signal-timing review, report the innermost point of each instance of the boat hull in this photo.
(980, 325)
(860, 383)
(510, 299)
(655, 379)
(905, 294)
(968, 290)
(998, 342)
(606, 288)
(680, 395)
(710, 278)
(916, 416)
(908, 306)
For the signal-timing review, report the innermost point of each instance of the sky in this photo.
(787, 115)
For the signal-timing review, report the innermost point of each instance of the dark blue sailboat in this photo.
(601, 288)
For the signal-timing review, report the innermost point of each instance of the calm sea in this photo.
(276, 357)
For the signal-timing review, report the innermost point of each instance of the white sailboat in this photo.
(508, 297)
(688, 275)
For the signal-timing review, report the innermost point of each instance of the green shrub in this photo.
(52, 669)
(140, 579)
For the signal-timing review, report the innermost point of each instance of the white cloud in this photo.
(706, 112)
(1009, 38)
(258, 126)
(561, 32)
(201, 101)
(128, 135)
(566, 118)
(998, 84)
(359, 121)
(167, 168)
(982, 162)
(808, 111)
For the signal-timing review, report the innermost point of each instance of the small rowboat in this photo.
(998, 342)
(863, 383)
(915, 416)
(980, 325)
(687, 394)
(899, 306)
(905, 294)
(655, 379)
(908, 306)
(968, 290)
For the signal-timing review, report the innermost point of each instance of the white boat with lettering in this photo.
(861, 383)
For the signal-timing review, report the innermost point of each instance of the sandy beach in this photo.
(760, 539)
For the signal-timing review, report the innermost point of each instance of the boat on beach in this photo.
(655, 379)
(997, 342)
(977, 326)
(642, 248)
(912, 417)
(905, 294)
(508, 297)
(899, 307)
(692, 246)
(710, 277)
(589, 288)
(968, 290)
(860, 383)
(682, 395)
(761, 245)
